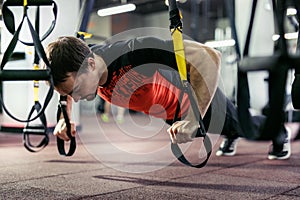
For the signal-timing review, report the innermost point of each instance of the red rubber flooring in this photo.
(133, 161)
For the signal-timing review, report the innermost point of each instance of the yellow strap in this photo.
(179, 53)
(36, 85)
(85, 34)
(25, 3)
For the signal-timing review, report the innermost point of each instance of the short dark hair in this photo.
(66, 55)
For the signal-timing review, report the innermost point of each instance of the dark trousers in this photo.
(231, 125)
(222, 118)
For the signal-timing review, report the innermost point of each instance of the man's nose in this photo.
(76, 98)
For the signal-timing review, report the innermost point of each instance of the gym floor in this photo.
(115, 174)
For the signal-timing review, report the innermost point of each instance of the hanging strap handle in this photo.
(61, 143)
(176, 32)
(36, 130)
(277, 79)
(243, 94)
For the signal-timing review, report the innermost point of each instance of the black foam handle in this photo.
(29, 2)
(24, 75)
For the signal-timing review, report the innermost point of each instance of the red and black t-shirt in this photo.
(142, 76)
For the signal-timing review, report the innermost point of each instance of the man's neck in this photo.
(103, 72)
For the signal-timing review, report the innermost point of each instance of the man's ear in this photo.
(91, 63)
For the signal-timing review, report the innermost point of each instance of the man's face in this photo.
(81, 87)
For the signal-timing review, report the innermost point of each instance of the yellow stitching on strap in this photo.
(36, 85)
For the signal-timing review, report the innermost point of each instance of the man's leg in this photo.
(222, 118)
(281, 145)
(280, 148)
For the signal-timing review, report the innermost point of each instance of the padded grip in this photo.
(29, 2)
(24, 75)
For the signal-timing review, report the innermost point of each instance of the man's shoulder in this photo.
(132, 43)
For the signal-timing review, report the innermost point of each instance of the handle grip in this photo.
(24, 75)
(29, 2)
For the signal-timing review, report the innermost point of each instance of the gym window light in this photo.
(288, 36)
(180, 1)
(220, 43)
(116, 9)
(291, 11)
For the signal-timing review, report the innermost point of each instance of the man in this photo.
(141, 74)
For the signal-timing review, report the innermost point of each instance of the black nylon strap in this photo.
(7, 54)
(277, 79)
(176, 118)
(41, 53)
(230, 5)
(243, 94)
(61, 143)
(9, 21)
(36, 130)
(278, 75)
(201, 132)
(175, 23)
(179, 155)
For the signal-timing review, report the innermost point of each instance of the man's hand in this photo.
(61, 130)
(183, 131)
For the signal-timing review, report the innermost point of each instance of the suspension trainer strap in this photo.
(36, 129)
(278, 74)
(243, 94)
(9, 21)
(39, 50)
(60, 143)
(85, 11)
(176, 32)
(276, 65)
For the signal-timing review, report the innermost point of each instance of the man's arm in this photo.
(203, 64)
